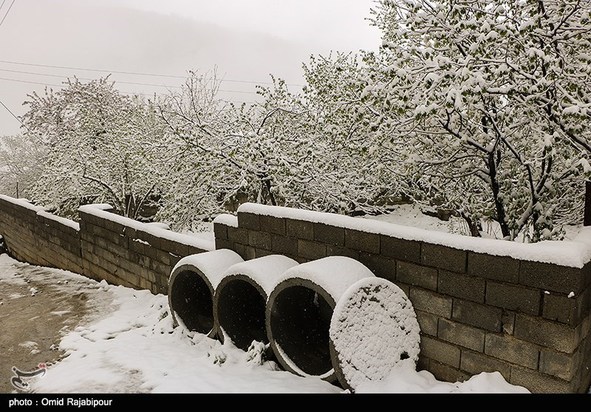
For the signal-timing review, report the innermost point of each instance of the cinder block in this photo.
(169, 245)
(416, 275)
(512, 350)
(461, 286)
(311, 250)
(331, 235)
(362, 241)
(431, 302)
(284, 245)
(557, 336)
(299, 229)
(564, 309)
(332, 250)
(501, 268)
(462, 335)
(513, 297)
(400, 249)
(444, 257)
(238, 235)
(113, 226)
(224, 244)
(474, 314)
(272, 224)
(447, 373)
(249, 253)
(380, 266)
(440, 351)
(249, 221)
(476, 362)
(220, 231)
(262, 252)
(552, 278)
(427, 323)
(259, 240)
(537, 382)
(560, 365)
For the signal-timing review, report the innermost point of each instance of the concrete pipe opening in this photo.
(241, 297)
(299, 312)
(191, 288)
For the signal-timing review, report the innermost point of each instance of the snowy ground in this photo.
(128, 345)
(411, 215)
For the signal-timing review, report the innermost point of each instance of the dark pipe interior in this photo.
(192, 302)
(241, 313)
(300, 321)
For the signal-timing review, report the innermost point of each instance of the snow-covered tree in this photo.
(101, 146)
(21, 157)
(494, 99)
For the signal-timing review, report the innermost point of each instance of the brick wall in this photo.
(101, 246)
(516, 312)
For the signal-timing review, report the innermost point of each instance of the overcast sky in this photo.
(42, 42)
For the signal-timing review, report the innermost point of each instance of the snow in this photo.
(22, 202)
(571, 253)
(129, 345)
(212, 264)
(101, 211)
(373, 314)
(60, 220)
(334, 274)
(265, 271)
(226, 219)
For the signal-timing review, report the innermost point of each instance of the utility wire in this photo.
(83, 78)
(10, 111)
(8, 11)
(130, 73)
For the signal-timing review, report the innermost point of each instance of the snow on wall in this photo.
(100, 211)
(60, 220)
(575, 253)
(22, 202)
(227, 220)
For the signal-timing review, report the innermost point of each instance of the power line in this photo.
(8, 11)
(83, 78)
(10, 111)
(129, 73)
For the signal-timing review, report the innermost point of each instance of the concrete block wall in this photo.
(129, 253)
(523, 311)
(102, 246)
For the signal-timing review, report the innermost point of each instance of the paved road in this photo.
(34, 315)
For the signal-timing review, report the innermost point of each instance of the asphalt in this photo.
(34, 316)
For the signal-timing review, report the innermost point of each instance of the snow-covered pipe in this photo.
(299, 312)
(192, 285)
(241, 296)
(374, 329)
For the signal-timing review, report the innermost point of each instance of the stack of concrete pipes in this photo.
(330, 318)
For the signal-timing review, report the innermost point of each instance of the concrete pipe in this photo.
(373, 330)
(241, 296)
(299, 311)
(192, 285)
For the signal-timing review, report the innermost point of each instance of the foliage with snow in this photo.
(492, 101)
(477, 109)
(98, 146)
